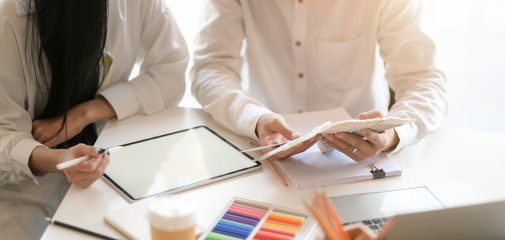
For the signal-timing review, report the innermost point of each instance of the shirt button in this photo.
(300, 75)
(298, 43)
(107, 60)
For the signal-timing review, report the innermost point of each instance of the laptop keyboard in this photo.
(375, 224)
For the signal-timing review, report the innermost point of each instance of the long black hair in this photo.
(68, 46)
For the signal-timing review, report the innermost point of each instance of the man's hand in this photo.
(272, 129)
(368, 144)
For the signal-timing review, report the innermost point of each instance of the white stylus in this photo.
(73, 162)
(263, 147)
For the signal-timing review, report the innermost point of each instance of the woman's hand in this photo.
(44, 160)
(272, 129)
(87, 172)
(50, 132)
(368, 144)
(47, 131)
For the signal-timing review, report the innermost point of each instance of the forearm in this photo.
(91, 111)
(412, 69)
(44, 160)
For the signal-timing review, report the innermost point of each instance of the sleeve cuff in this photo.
(406, 134)
(122, 99)
(20, 157)
(249, 119)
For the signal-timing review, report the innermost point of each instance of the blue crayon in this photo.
(241, 219)
(231, 230)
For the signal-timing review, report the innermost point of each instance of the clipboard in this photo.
(175, 162)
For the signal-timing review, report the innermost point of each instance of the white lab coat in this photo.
(307, 55)
(142, 32)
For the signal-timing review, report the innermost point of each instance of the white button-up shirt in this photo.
(141, 32)
(307, 55)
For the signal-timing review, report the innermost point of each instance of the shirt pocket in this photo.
(340, 64)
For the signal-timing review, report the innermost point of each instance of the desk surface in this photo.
(446, 155)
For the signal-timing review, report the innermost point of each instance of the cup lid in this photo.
(172, 213)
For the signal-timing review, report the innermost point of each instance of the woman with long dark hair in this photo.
(65, 67)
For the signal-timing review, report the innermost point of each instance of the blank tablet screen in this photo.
(175, 162)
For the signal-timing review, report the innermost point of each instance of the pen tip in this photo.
(48, 219)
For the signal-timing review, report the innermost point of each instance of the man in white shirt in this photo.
(305, 55)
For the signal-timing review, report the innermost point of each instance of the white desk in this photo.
(443, 156)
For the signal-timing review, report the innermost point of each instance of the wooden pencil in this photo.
(272, 168)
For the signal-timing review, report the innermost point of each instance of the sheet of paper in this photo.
(305, 122)
(313, 168)
(334, 120)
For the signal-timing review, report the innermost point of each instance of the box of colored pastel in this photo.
(245, 219)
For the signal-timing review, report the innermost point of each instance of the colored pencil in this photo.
(325, 214)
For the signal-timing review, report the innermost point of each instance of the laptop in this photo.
(374, 209)
(479, 221)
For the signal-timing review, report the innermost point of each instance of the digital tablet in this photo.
(175, 162)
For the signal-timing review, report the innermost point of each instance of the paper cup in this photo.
(172, 218)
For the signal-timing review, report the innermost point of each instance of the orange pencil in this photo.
(335, 217)
(323, 222)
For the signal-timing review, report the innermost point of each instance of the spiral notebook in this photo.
(314, 168)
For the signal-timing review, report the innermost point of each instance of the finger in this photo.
(378, 140)
(36, 135)
(35, 127)
(371, 114)
(354, 156)
(355, 140)
(85, 183)
(90, 166)
(81, 175)
(371, 136)
(89, 178)
(103, 164)
(86, 150)
(272, 139)
(40, 136)
(338, 143)
(305, 145)
(301, 147)
(280, 126)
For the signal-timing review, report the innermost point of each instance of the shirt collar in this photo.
(22, 7)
